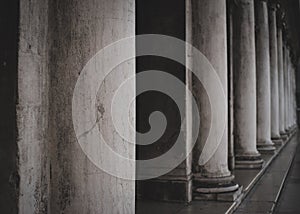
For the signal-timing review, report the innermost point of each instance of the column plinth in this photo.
(220, 188)
(249, 161)
(267, 146)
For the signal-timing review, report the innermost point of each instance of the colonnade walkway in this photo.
(264, 197)
(271, 189)
(289, 197)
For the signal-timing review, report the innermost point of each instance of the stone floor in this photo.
(261, 198)
(289, 198)
(264, 196)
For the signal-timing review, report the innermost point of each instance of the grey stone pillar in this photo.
(231, 155)
(290, 96)
(288, 93)
(275, 135)
(244, 68)
(263, 85)
(290, 68)
(280, 77)
(291, 71)
(210, 38)
(77, 184)
(294, 100)
(286, 88)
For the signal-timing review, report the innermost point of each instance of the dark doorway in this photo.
(9, 179)
(167, 18)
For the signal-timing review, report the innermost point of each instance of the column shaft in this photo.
(286, 85)
(293, 98)
(247, 155)
(274, 76)
(210, 38)
(290, 94)
(280, 81)
(263, 84)
(78, 185)
(231, 156)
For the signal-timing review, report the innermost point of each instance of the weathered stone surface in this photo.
(78, 30)
(32, 109)
(55, 43)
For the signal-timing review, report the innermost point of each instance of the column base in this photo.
(284, 136)
(266, 147)
(293, 130)
(249, 162)
(216, 189)
(277, 141)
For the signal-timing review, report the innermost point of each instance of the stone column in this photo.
(210, 38)
(244, 68)
(280, 77)
(290, 94)
(231, 155)
(263, 85)
(286, 88)
(289, 67)
(293, 99)
(290, 97)
(287, 91)
(275, 135)
(77, 184)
